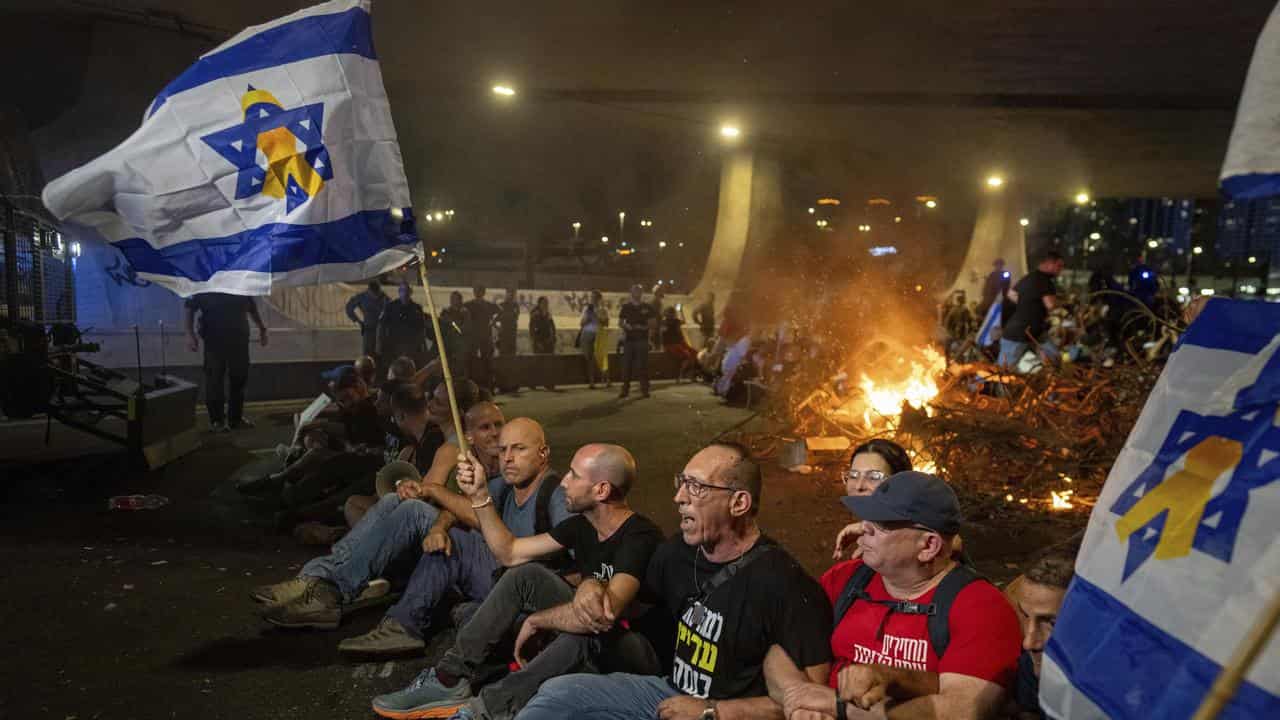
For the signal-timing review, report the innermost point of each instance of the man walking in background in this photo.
(370, 303)
(224, 326)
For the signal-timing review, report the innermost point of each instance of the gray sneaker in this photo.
(389, 638)
(425, 697)
(377, 592)
(282, 592)
(320, 607)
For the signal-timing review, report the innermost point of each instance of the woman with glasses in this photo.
(870, 464)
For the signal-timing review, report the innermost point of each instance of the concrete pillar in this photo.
(996, 234)
(749, 214)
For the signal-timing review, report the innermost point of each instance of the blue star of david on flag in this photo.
(1247, 443)
(293, 173)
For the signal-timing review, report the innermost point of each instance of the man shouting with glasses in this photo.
(735, 594)
(913, 627)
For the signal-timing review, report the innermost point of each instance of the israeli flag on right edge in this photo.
(1252, 167)
(1182, 551)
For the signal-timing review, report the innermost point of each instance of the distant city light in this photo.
(931, 204)
(1197, 250)
(662, 243)
(604, 239)
(1024, 222)
(897, 219)
(730, 131)
(1146, 274)
(439, 216)
(1153, 244)
(1082, 198)
(1207, 291)
(504, 90)
(812, 211)
(995, 181)
(883, 250)
(1252, 259)
(1095, 236)
(1248, 289)
(1184, 291)
(1273, 291)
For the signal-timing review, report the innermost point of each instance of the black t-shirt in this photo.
(771, 601)
(362, 424)
(628, 550)
(424, 452)
(480, 314)
(508, 316)
(1031, 315)
(637, 316)
(222, 316)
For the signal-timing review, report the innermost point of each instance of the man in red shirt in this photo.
(915, 627)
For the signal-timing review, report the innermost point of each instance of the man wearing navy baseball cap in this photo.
(913, 626)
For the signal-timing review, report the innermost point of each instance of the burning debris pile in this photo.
(1008, 443)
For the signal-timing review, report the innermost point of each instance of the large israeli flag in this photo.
(1252, 166)
(272, 160)
(1183, 547)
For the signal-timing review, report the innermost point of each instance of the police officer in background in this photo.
(370, 303)
(996, 285)
(224, 326)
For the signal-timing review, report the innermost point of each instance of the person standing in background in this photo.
(542, 331)
(402, 329)
(508, 323)
(635, 318)
(481, 317)
(370, 303)
(454, 330)
(589, 327)
(224, 326)
(655, 323)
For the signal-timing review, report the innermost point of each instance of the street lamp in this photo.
(622, 226)
(604, 239)
(1197, 250)
(931, 204)
(1082, 198)
(662, 243)
(995, 181)
(1153, 243)
(811, 211)
(1252, 259)
(504, 90)
(730, 132)
(1024, 222)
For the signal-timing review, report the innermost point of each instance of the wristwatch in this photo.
(710, 712)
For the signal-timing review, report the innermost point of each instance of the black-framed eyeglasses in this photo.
(871, 476)
(697, 488)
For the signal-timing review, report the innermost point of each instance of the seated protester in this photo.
(402, 368)
(456, 558)
(913, 626)
(328, 585)
(612, 546)
(367, 368)
(1037, 596)
(675, 344)
(735, 593)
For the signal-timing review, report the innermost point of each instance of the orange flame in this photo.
(884, 399)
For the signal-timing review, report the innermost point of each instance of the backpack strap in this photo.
(943, 597)
(542, 510)
(854, 589)
(938, 612)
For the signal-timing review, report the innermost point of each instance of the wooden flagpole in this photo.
(444, 356)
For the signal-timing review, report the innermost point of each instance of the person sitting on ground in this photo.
(612, 545)
(1037, 596)
(367, 368)
(454, 557)
(913, 626)
(675, 344)
(331, 584)
(735, 593)
(402, 368)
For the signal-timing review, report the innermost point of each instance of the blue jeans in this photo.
(469, 568)
(391, 527)
(1011, 351)
(619, 696)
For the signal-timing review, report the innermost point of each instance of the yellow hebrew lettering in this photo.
(708, 661)
(696, 642)
(1184, 495)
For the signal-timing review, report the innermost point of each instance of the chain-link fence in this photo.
(37, 279)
